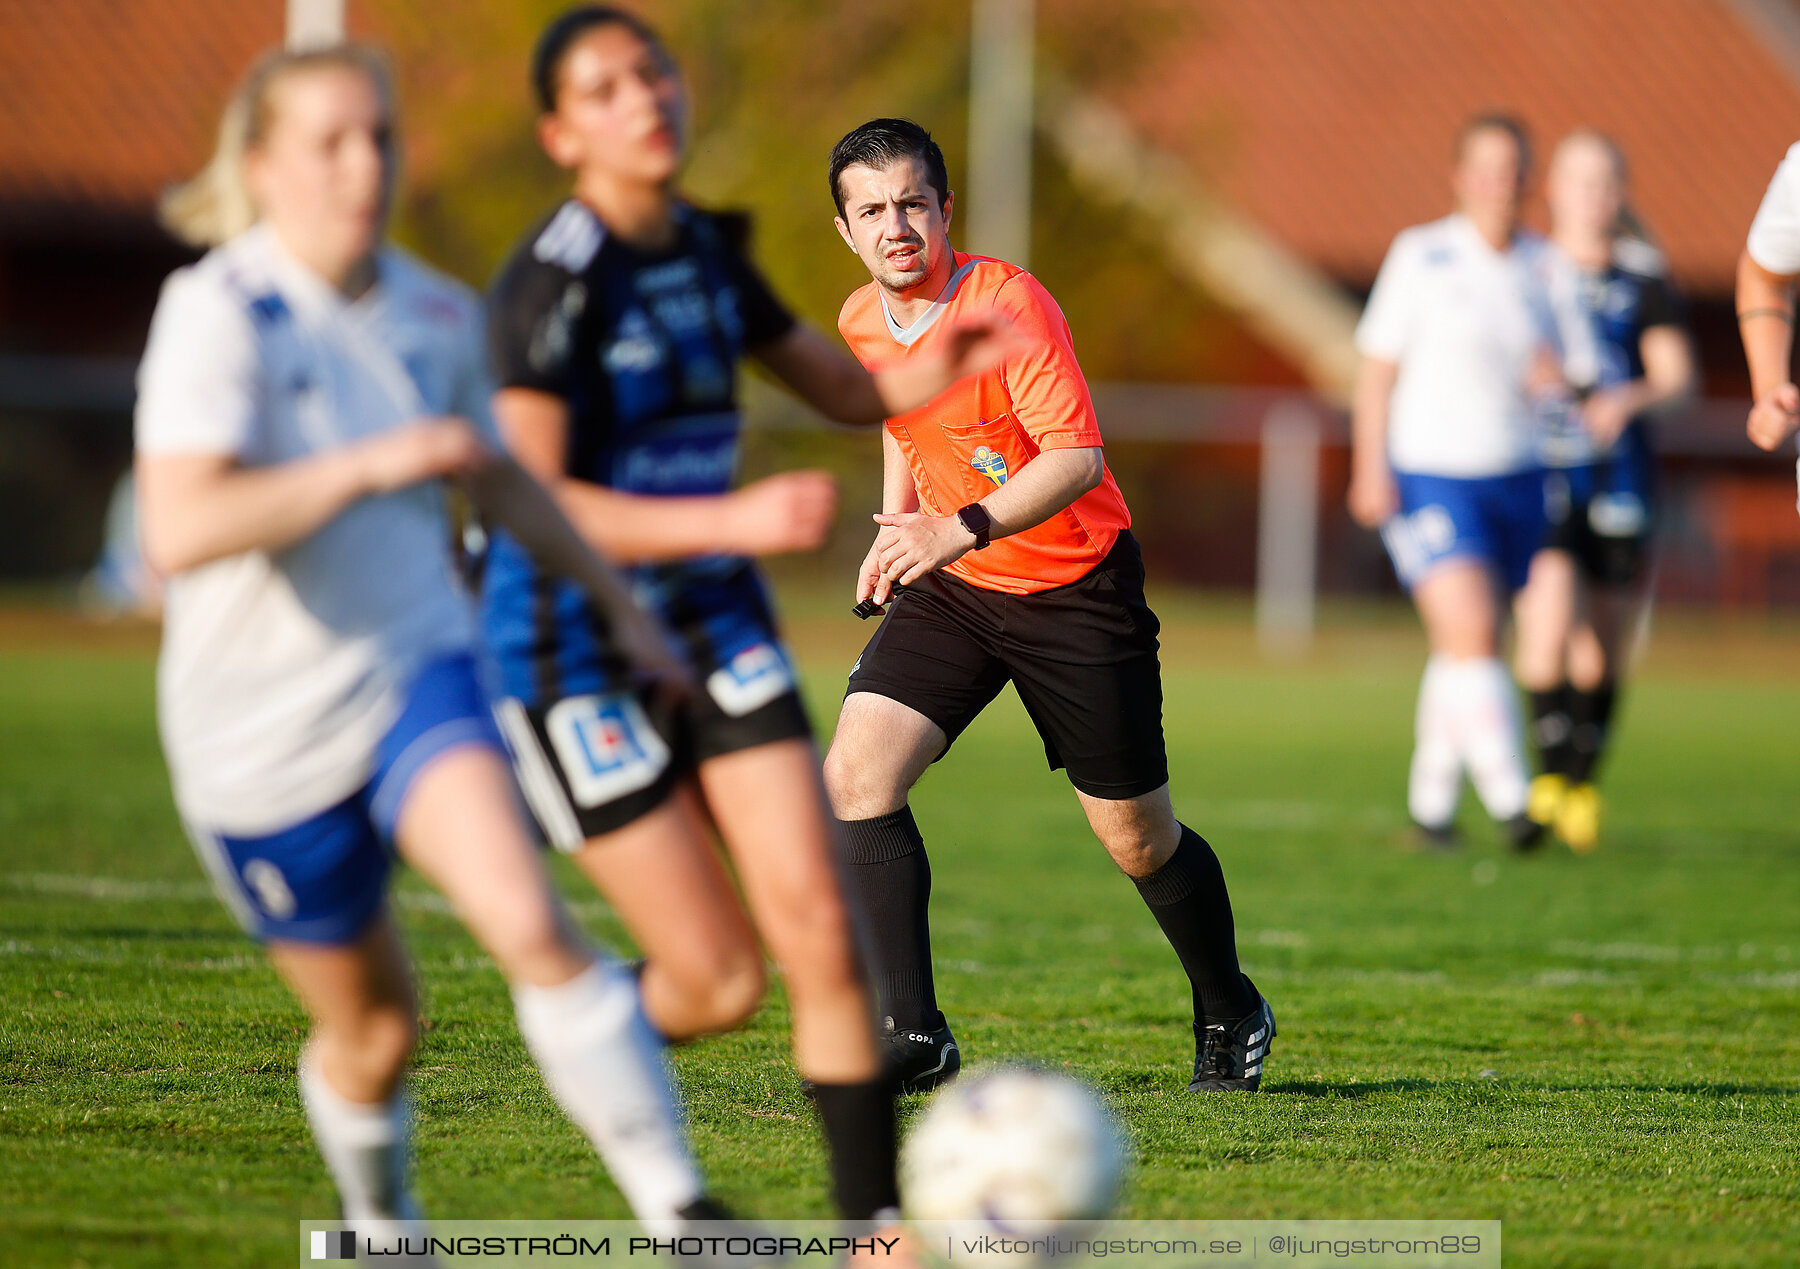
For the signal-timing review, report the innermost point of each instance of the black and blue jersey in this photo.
(644, 349)
(1631, 295)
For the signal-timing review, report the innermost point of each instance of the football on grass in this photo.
(1020, 1149)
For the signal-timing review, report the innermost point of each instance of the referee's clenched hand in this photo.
(919, 544)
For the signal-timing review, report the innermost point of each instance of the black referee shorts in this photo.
(1083, 658)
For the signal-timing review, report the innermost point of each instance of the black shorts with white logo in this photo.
(1083, 658)
(1604, 558)
(590, 765)
(1609, 533)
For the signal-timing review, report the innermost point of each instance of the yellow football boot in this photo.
(1546, 798)
(1578, 818)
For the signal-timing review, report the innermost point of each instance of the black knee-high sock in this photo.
(859, 1133)
(1187, 897)
(890, 879)
(1590, 717)
(1552, 728)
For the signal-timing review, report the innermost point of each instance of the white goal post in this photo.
(314, 23)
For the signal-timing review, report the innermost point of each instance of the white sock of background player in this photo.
(365, 1147)
(604, 1064)
(1491, 733)
(1435, 782)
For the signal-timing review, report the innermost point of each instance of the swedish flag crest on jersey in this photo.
(990, 464)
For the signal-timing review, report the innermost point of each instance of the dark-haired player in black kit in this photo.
(617, 327)
(1588, 585)
(1005, 548)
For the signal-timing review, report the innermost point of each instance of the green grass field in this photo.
(1604, 1052)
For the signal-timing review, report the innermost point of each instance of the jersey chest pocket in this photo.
(986, 454)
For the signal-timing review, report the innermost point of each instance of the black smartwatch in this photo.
(976, 520)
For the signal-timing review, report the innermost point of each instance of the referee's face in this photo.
(893, 222)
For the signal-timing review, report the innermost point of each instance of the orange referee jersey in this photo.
(982, 432)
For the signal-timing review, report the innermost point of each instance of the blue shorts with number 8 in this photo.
(1499, 521)
(321, 880)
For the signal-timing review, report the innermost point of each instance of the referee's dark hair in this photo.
(560, 36)
(1495, 121)
(881, 143)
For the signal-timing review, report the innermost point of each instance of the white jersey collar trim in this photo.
(907, 336)
(301, 283)
(1462, 225)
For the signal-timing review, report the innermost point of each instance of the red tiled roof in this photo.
(1327, 121)
(1331, 123)
(103, 103)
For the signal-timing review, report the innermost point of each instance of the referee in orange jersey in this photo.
(1004, 554)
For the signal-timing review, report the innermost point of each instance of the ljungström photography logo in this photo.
(334, 1244)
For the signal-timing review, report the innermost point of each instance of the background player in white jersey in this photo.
(1767, 272)
(305, 391)
(1589, 585)
(1466, 313)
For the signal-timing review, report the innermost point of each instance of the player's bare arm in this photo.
(792, 511)
(1668, 381)
(1765, 306)
(837, 386)
(1047, 484)
(197, 508)
(1372, 497)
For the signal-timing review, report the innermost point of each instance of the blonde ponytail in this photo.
(215, 205)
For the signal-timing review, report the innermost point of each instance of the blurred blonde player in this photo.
(1588, 586)
(1471, 317)
(1767, 272)
(306, 392)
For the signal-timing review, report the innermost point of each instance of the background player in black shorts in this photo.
(617, 327)
(1590, 583)
(1013, 543)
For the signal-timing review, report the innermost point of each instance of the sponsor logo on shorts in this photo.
(1618, 515)
(750, 680)
(606, 746)
(990, 464)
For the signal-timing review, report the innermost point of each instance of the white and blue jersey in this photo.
(300, 690)
(1463, 324)
(644, 350)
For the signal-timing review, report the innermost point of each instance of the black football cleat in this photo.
(705, 1210)
(716, 1230)
(916, 1061)
(1430, 839)
(921, 1060)
(1522, 833)
(1228, 1057)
